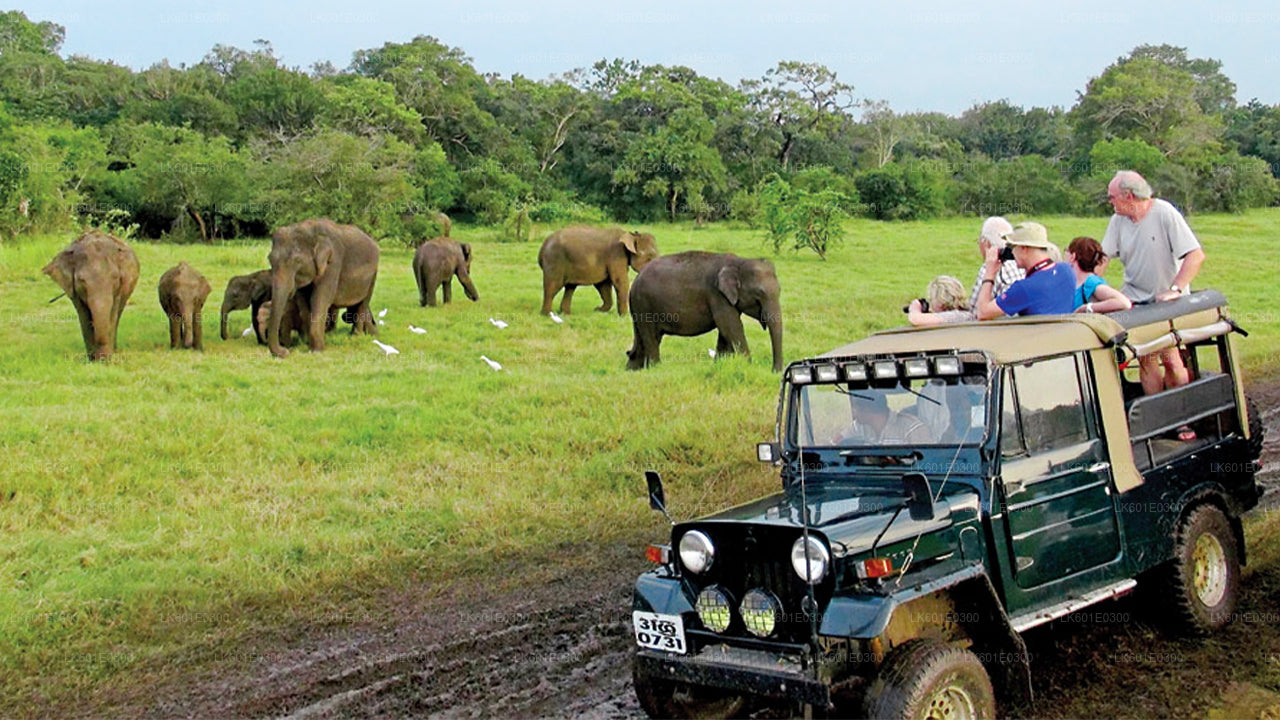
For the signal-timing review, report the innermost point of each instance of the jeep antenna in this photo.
(810, 604)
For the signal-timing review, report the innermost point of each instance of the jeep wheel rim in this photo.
(951, 702)
(1209, 563)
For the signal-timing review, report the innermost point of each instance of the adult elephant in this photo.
(691, 293)
(592, 256)
(436, 263)
(98, 272)
(182, 291)
(336, 264)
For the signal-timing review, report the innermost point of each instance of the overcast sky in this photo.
(918, 55)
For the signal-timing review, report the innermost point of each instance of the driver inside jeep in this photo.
(936, 411)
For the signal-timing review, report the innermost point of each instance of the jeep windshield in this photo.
(892, 412)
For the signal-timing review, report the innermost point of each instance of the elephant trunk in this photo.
(772, 320)
(104, 327)
(225, 310)
(281, 290)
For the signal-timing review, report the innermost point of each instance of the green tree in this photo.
(1108, 156)
(19, 35)
(674, 162)
(799, 99)
(367, 107)
(183, 174)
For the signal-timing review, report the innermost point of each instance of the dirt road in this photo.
(557, 644)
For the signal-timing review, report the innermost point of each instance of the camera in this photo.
(924, 306)
(1006, 253)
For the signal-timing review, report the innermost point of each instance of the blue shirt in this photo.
(1084, 293)
(1047, 291)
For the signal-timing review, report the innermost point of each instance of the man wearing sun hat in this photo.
(1047, 289)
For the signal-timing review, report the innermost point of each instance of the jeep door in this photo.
(1055, 486)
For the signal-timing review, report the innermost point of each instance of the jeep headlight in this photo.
(810, 565)
(714, 609)
(696, 551)
(760, 612)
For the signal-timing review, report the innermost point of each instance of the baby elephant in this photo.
(435, 264)
(247, 291)
(182, 294)
(692, 293)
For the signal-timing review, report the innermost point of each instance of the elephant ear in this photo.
(466, 251)
(727, 284)
(628, 241)
(60, 270)
(324, 255)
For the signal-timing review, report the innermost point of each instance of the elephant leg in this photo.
(197, 330)
(175, 331)
(729, 323)
(646, 346)
(566, 302)
(321, 306)
(259, 331)
(432, 284)
(605, 289)
(446, 290)
(86, 323)
(550, 286)
(723, 346)
(622, 285)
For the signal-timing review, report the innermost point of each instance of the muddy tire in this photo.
(666, 699)
(929, 679)
(1202, 581)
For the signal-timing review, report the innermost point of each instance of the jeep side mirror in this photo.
(919, 498)
(657, 498)
(767, 452)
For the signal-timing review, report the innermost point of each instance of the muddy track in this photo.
(558, 644)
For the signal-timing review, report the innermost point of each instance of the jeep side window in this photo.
(1045, 405)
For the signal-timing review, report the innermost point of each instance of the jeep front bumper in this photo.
(747, 671)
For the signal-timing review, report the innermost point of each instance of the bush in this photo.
(744, 206)
(775, 214)
(1108, 156)
(1026, 185)
(911, 190)
(818, 219)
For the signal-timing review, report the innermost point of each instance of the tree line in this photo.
(239, 143)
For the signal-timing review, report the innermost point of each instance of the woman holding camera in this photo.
(944, 303)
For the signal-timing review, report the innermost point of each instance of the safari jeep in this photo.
(944, 490)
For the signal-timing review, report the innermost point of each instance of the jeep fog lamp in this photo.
(827, 373)
(801, 376)
(760, 612)
(916, 367)
(811, 566)
(696, 551)
(714, 610)
(884, 369)
(947, 365)
(855, 372)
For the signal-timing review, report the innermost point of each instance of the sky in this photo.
(919, 55)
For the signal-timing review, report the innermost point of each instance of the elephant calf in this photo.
(183, 291)
(436, 263)
(247, 291)
(592, 256)
(98, 272)
(691, 293)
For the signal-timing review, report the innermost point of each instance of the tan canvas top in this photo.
(1008, 340)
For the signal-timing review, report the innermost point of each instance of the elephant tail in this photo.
(188, 330)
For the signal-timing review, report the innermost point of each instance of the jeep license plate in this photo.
(656, 631)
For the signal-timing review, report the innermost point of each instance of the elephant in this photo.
(247, 291)
(253, 291)
(434, 265)
(337, 264)
(577, 256)
(691, 293)
(98, 272)
(183, 291)
(444, 223)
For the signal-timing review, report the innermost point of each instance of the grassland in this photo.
(170, 500)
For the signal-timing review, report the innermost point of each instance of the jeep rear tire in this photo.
(929, 679)
(1202, 581)
(661, 698)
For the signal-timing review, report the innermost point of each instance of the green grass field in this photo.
(171, 499)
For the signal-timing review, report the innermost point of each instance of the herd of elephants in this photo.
(320, 270)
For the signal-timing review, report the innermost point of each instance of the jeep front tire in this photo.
(929, 679)
(1203, 579)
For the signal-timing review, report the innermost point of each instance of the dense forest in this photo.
(239, 143)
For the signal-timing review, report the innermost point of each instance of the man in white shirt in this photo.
(1161, 257)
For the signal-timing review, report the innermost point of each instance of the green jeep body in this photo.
(1052, 484)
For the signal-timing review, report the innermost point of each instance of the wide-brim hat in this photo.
(1029, 234)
